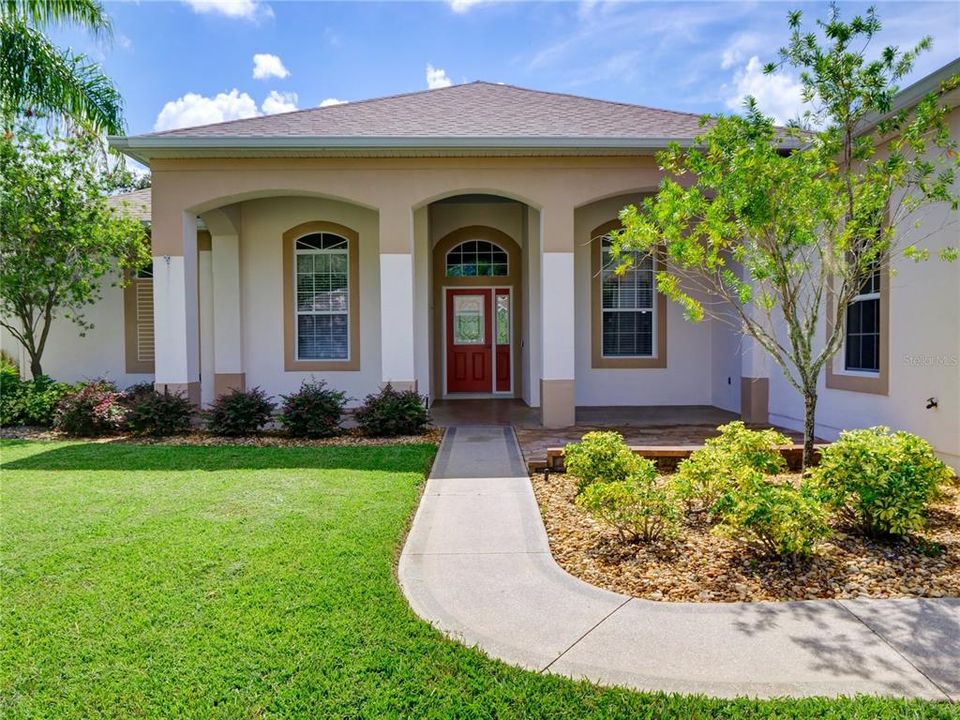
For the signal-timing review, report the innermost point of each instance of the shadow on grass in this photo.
(124, 456)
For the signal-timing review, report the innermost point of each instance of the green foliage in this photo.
(391, 413)
(59, 239)
(880, 481)
(313, 411)
(601, 456)
(711, 471)
(640, 508)
(155, 413)
(27, 402)
(90, 409)
(771, 517)
(239, 412)
(807, 214)
(38, 78)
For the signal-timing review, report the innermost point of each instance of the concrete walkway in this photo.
(477, 565)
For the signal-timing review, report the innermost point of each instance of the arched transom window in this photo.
(477, 258)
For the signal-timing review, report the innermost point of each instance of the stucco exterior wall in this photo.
(688, 377)
(263, 223)
(68, 357)
(924, 349)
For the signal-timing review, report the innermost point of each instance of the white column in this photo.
(227, 332)
(557, 393)
(175, 304)
(205, 302)
(397, 332)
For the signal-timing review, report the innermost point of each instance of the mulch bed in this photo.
(350, 438)
(697, 566)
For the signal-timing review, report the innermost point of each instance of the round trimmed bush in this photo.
(602, 456)
(880, 481)
(314, 411)
(91, 409)
(239, 412)
(391, 413)
(158, 414)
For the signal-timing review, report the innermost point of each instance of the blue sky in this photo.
(193, 61)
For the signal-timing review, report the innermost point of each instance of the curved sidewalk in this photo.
(477, 565)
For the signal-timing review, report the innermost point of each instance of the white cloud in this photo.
(332, 101)
(437, 78)
(266, 66)
(239, 9)
(462, 6)
(279, 102)
(124, 42)
(194, 109)
(742, 45)
(779, 95)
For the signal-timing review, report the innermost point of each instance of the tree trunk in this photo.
(35, 368)
(809, 425)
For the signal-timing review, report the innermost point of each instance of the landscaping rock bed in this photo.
(264, 439)
(697, 566)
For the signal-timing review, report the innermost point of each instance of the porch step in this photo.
(666, 457)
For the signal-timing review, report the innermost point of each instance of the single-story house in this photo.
(449, 241)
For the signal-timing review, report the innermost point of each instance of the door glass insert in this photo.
(503, 319)
(468, 320)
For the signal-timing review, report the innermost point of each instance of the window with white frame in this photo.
(322, 266)
(627, 305)
(477, 258)
(862, 342)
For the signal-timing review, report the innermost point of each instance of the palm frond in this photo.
(36, 76)
(86, 14)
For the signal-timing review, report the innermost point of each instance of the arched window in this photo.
(477, 258)
(322, 296)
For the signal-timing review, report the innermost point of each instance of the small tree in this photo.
(765, 227)
(58, 236)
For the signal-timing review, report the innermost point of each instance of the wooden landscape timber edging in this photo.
(666, 457)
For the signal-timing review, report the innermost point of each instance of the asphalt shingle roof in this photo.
(135, 204)
(472, 110)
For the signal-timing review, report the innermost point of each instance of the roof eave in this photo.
(143, 147)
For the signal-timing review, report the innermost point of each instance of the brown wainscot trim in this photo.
(597, 360)
(290, 362)
(755, 400)
(558, 408)
(878, 384)
(224, 383)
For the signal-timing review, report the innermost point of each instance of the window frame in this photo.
(863, 297)
(292, 360)
(838, 377)
(297, 253)
(131, 323)
(658, 358)
(495, 248)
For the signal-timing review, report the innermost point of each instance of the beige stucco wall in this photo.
(924, 354)
(688, 378)
(99, 353)
(263, 223)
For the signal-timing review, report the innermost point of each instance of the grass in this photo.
(236, 582)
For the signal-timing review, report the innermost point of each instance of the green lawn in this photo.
(167, 582)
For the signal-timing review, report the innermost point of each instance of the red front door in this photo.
(469, 341)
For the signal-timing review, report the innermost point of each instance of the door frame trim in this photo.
(445, 394)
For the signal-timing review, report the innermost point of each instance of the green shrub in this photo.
(138, 391)
(713, 470)
(774, 518)
(880, 481)
(27, 402)
(639, 507)
(390, 413)
(313, 411)
(239, 412)
(154, 413)
(90, 409)
(600, 457)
